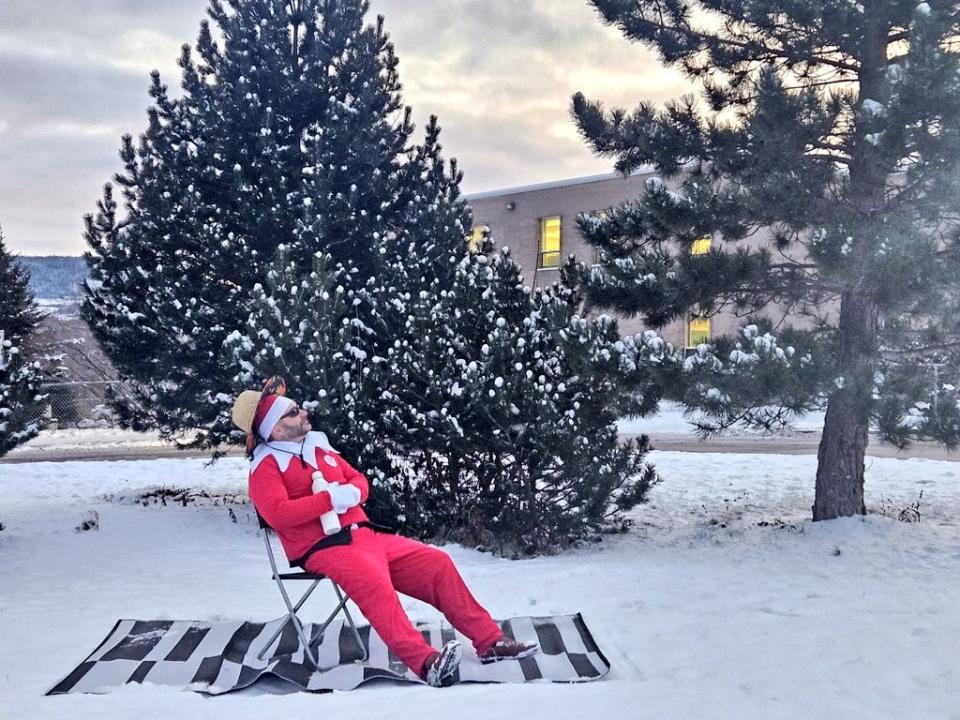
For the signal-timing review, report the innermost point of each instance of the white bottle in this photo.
(329, 520)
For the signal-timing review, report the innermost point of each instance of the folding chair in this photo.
(280, 578)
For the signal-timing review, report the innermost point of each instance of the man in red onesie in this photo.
(371, 566)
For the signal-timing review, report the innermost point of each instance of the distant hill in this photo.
(55, 277)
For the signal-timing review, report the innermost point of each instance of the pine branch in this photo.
(758, 53)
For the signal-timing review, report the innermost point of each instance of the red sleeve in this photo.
(269, 496)
(356, 478)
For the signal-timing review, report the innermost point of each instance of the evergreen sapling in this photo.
(21, 373)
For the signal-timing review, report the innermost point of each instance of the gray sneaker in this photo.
(507, 649)
(442, 667)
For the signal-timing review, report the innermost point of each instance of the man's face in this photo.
(293, 425)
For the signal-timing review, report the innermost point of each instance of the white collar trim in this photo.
(283, 451)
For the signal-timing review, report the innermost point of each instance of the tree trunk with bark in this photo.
(840, 467)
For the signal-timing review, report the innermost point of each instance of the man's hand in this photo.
(343, 497)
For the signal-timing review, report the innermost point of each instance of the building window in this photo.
(702, 245)
(549, 242)
(476, 237)
(698, 330)
(698, 326)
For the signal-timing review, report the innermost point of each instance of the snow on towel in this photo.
(217, 657)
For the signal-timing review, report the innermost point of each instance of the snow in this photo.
(873, 107)
(101, 437)
(67, 439)
(670, 421)
(725, 601)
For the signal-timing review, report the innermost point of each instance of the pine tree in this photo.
(290, 131)
(21, 407)
(306, 328)
(480, 410)
(325, 330)
(503, 402)
(832, 130)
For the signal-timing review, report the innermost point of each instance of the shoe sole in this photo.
(449, 662)
(519, 656)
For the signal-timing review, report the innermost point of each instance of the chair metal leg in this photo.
(341, 607)
(364, 656)
(292, 613)
(310, 654)
(301, 633)
(308, 650)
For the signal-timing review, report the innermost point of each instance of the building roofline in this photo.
(567, 182)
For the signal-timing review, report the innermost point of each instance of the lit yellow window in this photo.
(550, 242)
(701, 246)
(476, 237)
(698, 330)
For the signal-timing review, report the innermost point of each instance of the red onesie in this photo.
(374, 566)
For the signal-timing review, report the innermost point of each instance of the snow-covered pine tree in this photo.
(324, 330)
(430, 241)
(289, 132)
(504, 401)
(299, 328)
(21, 407)
(307, 328)
(839, 137)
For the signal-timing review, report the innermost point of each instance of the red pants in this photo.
(376, 566)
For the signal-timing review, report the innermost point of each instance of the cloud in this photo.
(500, 76)
(47, 185)
(498, 73)
(145, 50)
(69, 129)
(60, 22)
(38, 87)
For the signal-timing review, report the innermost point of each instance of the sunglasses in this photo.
(292, 412)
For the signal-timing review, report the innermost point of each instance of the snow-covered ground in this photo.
(103, 438)
(724, 602)
(670, 421)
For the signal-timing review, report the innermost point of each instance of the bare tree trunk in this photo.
(840, 466)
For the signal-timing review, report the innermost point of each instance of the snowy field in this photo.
(668, 421)
(100, 438)
(671, 421)
(724, 602)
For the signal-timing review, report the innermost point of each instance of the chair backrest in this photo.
(265, 526)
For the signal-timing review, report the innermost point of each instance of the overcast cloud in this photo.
(498, 73)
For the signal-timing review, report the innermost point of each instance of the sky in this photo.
(499, 74)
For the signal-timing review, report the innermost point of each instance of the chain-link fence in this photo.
(78, 403)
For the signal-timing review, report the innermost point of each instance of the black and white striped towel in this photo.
(217, 657)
